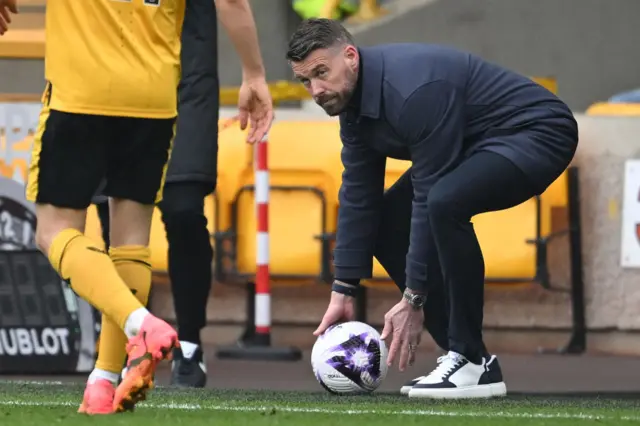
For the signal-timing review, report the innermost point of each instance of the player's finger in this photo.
(327, 320)
(3, 25)
(13, 8)
(269, 119)
(412, 356)
(387, 330)
(243, 117)
(404, 355)
(253, 129)
(262, 129)
(5, 14)
(393, 350)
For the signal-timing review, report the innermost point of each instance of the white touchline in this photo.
(287, 409)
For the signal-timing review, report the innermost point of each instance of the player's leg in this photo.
(66, 167)
(484, 182)
(111, 349)
(189, 261)
(103, 367)
(391, 250)
(135, 177)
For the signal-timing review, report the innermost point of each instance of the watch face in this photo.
(418, 300)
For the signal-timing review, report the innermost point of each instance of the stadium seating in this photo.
(305, 178)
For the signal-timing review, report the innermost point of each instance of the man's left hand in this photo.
(403, 324)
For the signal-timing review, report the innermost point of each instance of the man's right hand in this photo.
(256, 108)
(6, 6)
(341, 308)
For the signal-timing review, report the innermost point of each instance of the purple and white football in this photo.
(349, 358)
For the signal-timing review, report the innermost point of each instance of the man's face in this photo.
(330, 76)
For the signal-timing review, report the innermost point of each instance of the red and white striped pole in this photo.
(263, 296)
(257, 345)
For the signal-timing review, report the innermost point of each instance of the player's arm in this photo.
(7, 7)
(434, 133)
(359, 214)
(237, 19)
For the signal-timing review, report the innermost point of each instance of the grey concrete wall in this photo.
(21, 76)
(589, 45)
(275, 20)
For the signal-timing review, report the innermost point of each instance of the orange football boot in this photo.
(98, 397)
(154, 343)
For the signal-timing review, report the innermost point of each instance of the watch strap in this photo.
(345, 288)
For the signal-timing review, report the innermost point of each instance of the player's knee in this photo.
(130, 223)
(51, 221)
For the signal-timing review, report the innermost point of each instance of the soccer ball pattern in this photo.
(349, 358)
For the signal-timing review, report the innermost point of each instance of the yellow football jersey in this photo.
(114, 57)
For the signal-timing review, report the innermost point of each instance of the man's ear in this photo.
(352, 57)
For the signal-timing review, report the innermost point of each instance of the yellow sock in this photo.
(133, 266)
(92, 275)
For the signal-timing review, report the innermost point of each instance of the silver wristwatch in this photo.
(416, 301)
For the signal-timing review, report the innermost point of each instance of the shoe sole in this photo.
(86, 409)
(492, 390)
(406, 389)
(133, 389)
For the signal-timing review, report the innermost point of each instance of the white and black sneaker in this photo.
(188, 369)
(456, 377)
(404, 390)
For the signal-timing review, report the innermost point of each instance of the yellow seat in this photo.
(554, 201)
(614, 109)
(304, 181)
(294, 251)
(22, 44)
(503, 238)
(235, 162)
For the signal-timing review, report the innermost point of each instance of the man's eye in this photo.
(322, 73)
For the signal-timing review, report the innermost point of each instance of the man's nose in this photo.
(317, 89)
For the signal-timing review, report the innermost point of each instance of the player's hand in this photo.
(256, 108)
(6, 8)
(341, 308)
(403, 325)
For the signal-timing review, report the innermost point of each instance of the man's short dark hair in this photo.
(314, 34)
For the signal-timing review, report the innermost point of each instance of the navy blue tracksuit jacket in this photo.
(435, 106)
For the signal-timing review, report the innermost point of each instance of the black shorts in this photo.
(73, 154)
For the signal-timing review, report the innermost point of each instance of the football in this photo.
(349, 358)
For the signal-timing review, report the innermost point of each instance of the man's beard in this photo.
(334, 106)
(338, 103)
